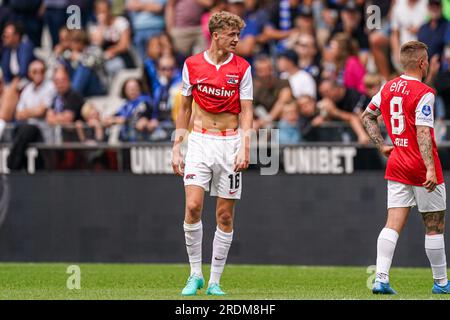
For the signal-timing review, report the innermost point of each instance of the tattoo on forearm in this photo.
(434, 222)
(373, 130)
(425, 146)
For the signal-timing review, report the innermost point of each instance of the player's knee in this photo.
(225, 219)
(193, 207)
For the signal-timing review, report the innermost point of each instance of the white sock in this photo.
(193, 234)
(435, 249)
(221, 246)
(387, 240)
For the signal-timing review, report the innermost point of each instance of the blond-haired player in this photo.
(220, 85)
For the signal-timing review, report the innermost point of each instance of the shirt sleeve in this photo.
(425, 112)
(246, 86)
(374, 105)
(186, 89)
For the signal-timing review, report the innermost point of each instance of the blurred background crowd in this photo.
(316, 64)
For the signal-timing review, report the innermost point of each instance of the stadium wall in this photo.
(281, 219)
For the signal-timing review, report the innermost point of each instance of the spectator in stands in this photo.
(55, 17)
(303, 24)
(433, 33)
(90, 128)
(66, 106)
(30, 14)
(85, 65)
(147, 20)
(347, 66)
(218, 5)
(35, 99)
(137, 116)
(169, 80)
(440, 79)
(154, 52)
(288, 126)
(379, 39)
(63, 42)
(351, 26)
(407, 17)
(282, 21)
(311, 119)
(113, 35)
(257, 13)
(326, 19)
(168, 48)
(247, 41)
(300, 81)
(183, 22)
(309, 59)
(16, 56)
(343, 104)
(270, 93)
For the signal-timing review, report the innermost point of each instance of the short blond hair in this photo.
(224, 20)
(411, 52)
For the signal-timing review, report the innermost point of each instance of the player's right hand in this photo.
(431, 182)
(177, 162)
(386, 150)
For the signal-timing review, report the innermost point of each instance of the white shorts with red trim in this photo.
(210, 161)
(402, 195)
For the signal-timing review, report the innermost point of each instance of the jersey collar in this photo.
(205, 55)
(404, 76)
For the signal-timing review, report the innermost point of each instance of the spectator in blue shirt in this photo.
(16, 56)
(433, 33)
(136, 115)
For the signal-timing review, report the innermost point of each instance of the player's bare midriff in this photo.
(214, 121)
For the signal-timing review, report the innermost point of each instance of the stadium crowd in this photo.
(315, 63)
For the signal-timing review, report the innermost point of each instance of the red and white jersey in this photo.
(405, 102)
(217, 88)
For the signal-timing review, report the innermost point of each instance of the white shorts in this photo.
(210, 159)
(401, 195)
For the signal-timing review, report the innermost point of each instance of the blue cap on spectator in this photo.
(289, 54)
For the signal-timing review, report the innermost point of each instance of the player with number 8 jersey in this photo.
(414, 171)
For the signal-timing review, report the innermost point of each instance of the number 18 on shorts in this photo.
(210, 161)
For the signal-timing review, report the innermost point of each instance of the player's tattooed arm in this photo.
(426, 146)
(370, 123)
(426, 150)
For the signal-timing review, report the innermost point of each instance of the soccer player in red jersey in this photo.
(414, 171)
(219, 84)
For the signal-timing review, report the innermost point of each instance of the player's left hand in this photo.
(431, 182)
(242, 160)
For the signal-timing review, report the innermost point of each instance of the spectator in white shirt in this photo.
(300, 81)
(407, 18)
(36, 97)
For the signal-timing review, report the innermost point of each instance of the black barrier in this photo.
(281, 219)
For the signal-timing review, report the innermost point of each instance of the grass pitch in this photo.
(165, 281)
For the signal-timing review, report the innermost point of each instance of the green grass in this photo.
(165, 281)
